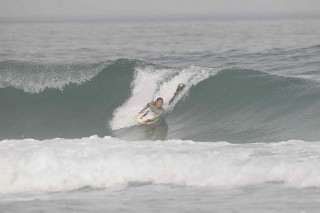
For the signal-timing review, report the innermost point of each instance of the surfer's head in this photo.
(159, 102)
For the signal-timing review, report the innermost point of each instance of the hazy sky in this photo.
(64, 9)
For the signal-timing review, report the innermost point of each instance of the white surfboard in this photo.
(145, 115)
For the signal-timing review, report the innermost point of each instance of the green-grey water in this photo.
(243, 136)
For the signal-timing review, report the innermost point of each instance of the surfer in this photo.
(156, 107)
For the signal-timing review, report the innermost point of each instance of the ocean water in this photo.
(243, 136)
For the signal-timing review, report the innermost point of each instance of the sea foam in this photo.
(32, 166)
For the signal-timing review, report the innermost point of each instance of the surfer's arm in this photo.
(144, 108)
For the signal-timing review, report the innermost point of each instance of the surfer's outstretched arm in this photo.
(146, 106)
(179, 88)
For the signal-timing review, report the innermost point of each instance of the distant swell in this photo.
(44, 101)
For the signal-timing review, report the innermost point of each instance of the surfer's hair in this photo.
(158, 99)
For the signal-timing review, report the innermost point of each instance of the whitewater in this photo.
(243, 135)
(33, 166)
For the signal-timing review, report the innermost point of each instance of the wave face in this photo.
(68, 101)
(44, 101)
(248, 105)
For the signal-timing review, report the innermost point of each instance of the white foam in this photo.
(150, 83)
(34, 78)
(31, 166)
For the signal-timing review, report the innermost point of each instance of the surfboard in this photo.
(145, 115)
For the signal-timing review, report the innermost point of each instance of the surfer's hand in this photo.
(139, 112)
(145, 122)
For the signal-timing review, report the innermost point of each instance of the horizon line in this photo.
(158, 18)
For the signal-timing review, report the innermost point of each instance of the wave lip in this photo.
(31, 166)
(34, 77)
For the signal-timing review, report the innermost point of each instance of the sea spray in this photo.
(150, 83)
